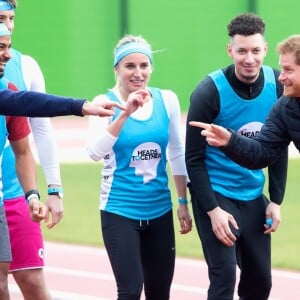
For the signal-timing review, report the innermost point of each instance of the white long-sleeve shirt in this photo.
(42, 129)
(100, 141)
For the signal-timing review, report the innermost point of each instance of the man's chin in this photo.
(287, 92)
(250, 78)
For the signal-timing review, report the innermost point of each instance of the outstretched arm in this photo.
(35, 104)
(256, 153)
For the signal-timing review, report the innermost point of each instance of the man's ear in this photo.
(229, 50)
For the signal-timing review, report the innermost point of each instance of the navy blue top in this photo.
(35, 104)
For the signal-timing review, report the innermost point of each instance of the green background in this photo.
(73, 40)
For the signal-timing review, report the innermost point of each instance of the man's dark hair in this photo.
(246, 24)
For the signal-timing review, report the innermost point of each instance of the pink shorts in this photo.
(26, 238)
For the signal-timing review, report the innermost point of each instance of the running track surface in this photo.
(83, 273)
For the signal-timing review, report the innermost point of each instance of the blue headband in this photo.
(132, 47)
(5, 6)
(3, 30)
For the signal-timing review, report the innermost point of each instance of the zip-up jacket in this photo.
(34, 104)
(282, 127)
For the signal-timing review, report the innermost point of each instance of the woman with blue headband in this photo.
(135, 201)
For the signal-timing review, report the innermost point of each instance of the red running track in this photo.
(83, 273)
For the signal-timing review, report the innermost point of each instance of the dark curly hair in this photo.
(246, 24)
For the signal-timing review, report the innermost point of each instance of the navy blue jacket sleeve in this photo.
(35, 104)
(277, 173)
(266, 147)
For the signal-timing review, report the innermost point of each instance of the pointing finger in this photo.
(199, 124)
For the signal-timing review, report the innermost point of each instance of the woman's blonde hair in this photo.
(132, 38)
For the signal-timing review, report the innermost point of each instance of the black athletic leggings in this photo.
(141, 253)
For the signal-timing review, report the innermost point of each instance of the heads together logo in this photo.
(145, 159)
(251, 129)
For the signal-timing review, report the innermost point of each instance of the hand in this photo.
(273, 212)
(101, 108)
(135, 100)
(184, 218)
(37, 209)
(54, 207)
(220, 220)
(215, 135)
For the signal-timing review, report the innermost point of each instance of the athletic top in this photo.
(247, 118)
(3, 135)
(13, 70)
(18, 67)
(13, 128)
(205, 106)
(134, 176)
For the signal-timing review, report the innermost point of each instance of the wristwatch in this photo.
(57, 191)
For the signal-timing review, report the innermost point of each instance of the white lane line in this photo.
(106, 277)
(57, 295)
(77, 273)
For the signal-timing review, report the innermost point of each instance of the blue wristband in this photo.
(182, 201)
(57, 191)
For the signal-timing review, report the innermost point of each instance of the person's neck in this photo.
(123, 95)
(245, 81)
